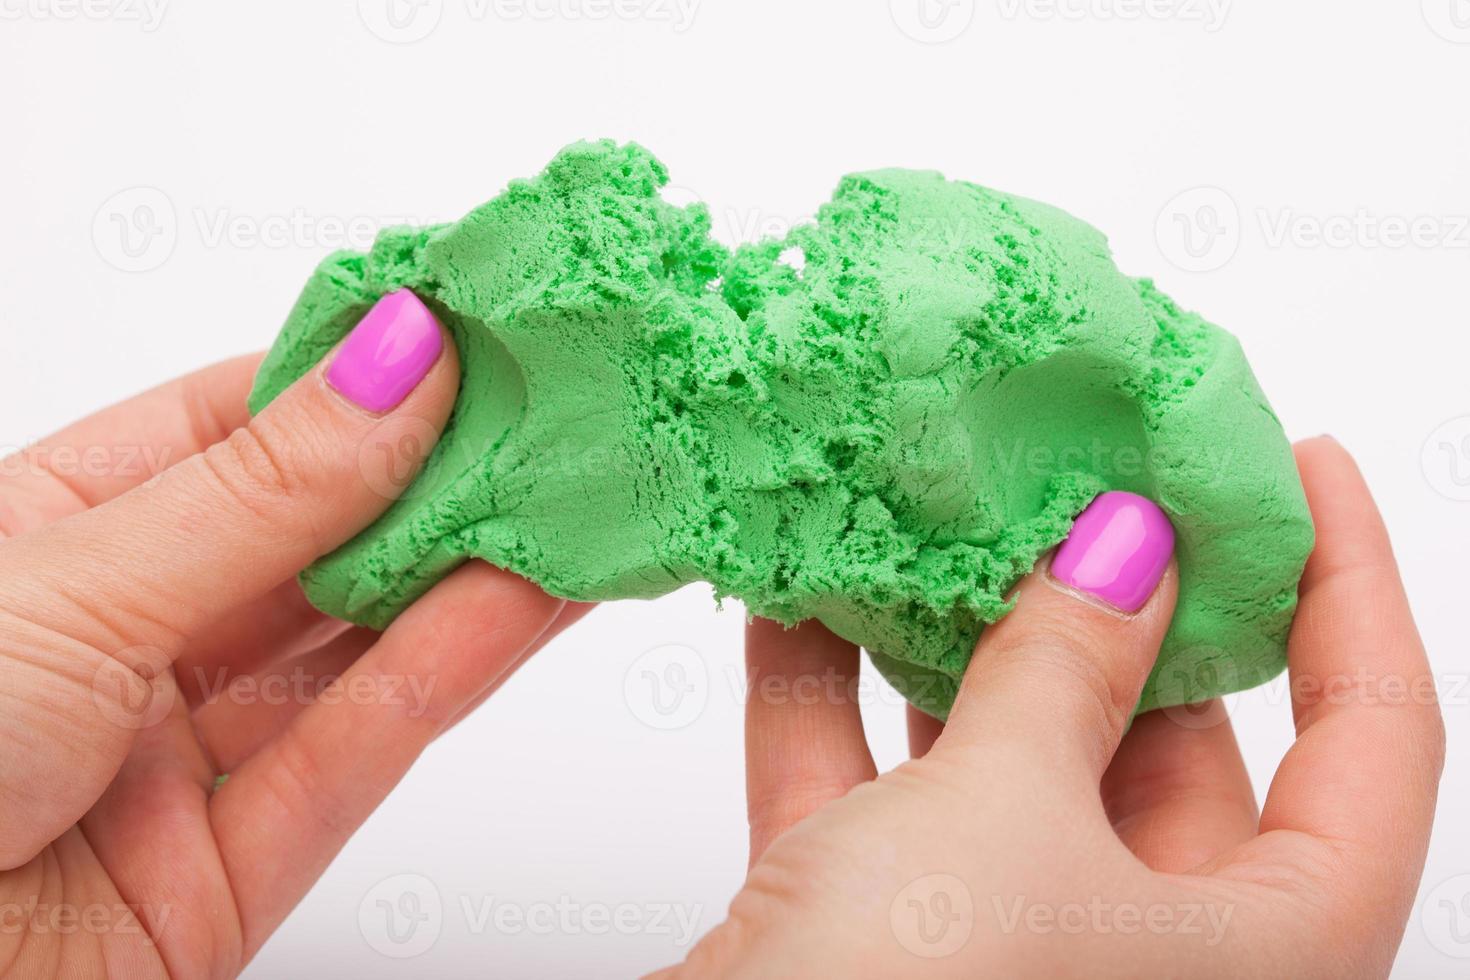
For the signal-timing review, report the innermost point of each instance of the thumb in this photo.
(1059, 677)
(155, 565)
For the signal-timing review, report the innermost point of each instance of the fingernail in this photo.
(388, 353)
(1118, 550)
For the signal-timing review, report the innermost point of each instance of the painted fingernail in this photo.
(1117, 551)
(388, 353)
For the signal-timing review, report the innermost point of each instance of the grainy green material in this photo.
(885, 440)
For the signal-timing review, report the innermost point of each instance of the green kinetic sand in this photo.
(880, 422)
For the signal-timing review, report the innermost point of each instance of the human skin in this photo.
(124, 602)
(1031, 837)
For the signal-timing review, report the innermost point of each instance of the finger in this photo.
(224, 527)
(236, 720)
(804, 741)
(923, 730)
(1177, 792)
(286, 812)
(277, 627)
(120, 447)
(1363, 774)
(151, 831)
(246, 715)
(1058, 678)
(570, 614)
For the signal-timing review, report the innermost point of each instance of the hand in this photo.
(1027, 841)
(126, 608)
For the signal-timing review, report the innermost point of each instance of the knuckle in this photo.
(301, 788)
(771, 894)
(771, 897)
(1053, 658)
(416, 707)
(206, 425)
(716, 954)
(255, 467)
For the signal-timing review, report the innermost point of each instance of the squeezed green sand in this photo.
(885, 440)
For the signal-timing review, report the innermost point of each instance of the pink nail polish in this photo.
(388, 353)
(1117, 551)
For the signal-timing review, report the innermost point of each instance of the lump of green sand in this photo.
(885, 440)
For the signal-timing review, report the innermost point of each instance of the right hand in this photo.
(1034, 839)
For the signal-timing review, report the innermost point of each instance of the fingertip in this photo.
(312, 469)
(1349, 528)
(385, 356)
(1117, 552)
(1325, 455)
(1062, 674)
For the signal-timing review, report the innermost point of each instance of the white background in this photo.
(256, 130)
